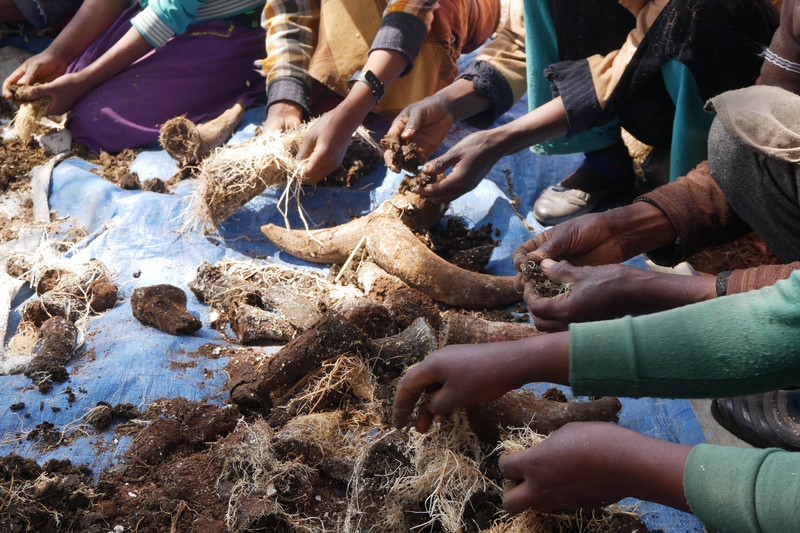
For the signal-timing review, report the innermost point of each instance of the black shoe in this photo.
(765, 420)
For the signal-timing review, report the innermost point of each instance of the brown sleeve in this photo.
(749, 279)
(699, 213)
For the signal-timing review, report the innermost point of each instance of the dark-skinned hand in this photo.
(471, 158)
(586, 240)
(64, 92)
(41, 68)
(462, 375)
(596, 293)
(425, 123)
(325, 144)
(283, 116)
(594, 464)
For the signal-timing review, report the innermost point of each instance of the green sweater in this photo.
(731, 346)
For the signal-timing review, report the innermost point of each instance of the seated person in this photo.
(122, 69)
(660, 75)
(408, 51)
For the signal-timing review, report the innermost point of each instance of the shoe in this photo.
(558, 203)
(604, 173)
(765, 420)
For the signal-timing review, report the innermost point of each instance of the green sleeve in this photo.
(730, 346)
(743, 490)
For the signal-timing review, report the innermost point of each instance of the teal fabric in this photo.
(179, 14)
(541, 48)
(730, 346)
(691, 124)
(743, 490)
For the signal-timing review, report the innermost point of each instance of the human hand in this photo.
(590, 239)
(471, 158)
(425, 123)
(41, 68)
(283, 116)
(467, 374)
(593, 464)
(64, 92)
(463, 374)
(325, 144)
(596, 293)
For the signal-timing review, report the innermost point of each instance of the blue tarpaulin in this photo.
(142, 237)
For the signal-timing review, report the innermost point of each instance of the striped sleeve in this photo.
(161, 19)
(291, 33)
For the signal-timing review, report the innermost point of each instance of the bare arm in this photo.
(92, 19)
(327, 140)
(67, 90)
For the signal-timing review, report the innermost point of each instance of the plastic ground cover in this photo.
(141, 237)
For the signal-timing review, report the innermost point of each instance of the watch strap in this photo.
(368, 77)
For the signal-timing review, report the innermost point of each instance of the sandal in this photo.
(765, 420)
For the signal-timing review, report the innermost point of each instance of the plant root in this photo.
(188, 143)
(29, 113)
(544, 286)
(397, 250)
(522, 408)
(270, 313)
(334, 245)
(458, 328)
(405, 303)
(330, 337)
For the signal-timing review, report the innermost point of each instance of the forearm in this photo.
(92, 19)
(128, 49)
(739, 344)
(658, 291)
(387, 65)
(544, 358)
(652, 469)
(548, 121)
(741, 490)
(640, 227)
(462, 100)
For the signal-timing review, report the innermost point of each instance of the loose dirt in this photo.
(398, 154)
(543, 285)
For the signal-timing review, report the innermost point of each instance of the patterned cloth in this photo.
(334, 40)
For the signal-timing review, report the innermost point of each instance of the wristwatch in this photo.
(368, 77)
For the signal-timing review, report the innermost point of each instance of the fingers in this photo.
(309, 155)
(424, 419)
(416, 119)
(511, 465)
(408, 392)
(560, 271)
(523, 496)
(398, 124)
(441, 163)
(13, 79)
(445, 190)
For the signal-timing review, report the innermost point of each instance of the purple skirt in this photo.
(199, 74)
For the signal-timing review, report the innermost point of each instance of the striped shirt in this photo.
(292, 28)
(161, 19)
